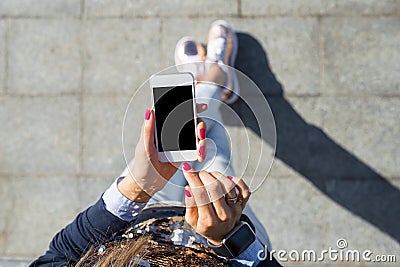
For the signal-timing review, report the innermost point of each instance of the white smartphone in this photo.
(174, 105)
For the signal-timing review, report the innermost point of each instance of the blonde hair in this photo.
(146, 252)
(126, 253)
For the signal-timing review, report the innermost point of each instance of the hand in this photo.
(148, 175)
(208, 209)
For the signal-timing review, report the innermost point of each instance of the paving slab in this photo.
(40, 8)
(119, 54)
(5, 209)
(44, 56)
(14, 263)
(2, 55)
(361, 56)
(102, 134)
(368, 128)
(377, 227)
(49, 204)
(296, 119)
(365, 7)
(39, 134)
(291, 47)
(91, 188)
(293, 212)
(319, 7)
(285, 7)
(95, 8)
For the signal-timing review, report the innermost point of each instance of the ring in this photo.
(233, 200)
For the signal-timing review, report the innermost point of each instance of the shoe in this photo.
(222, 47)
(190, 56)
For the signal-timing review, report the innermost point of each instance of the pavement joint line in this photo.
(129, 94)
(321, 55)
(239, 8)
(81, 85)
(56, 175)
(239, 16)
(82, 9)
(6, 44)
(38, 17)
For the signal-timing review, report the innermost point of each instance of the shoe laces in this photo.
(216, 49)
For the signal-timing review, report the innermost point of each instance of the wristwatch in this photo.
(236, 242)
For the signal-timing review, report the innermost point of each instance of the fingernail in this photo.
(187, 193)
(229, 177)
(201, 151)
(202, 133)
(186, 167)
(147, 115)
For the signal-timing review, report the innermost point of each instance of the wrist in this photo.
(132, 191)
(216, 242)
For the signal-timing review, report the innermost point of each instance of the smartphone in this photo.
(174, 105)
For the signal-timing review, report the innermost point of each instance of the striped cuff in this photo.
(119, 205)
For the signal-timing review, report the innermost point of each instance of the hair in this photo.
(123, 253)
(143, 251)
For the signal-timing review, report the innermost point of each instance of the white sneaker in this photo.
(188, 58)
(222, 47)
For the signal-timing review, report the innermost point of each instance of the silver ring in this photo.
(234, 200)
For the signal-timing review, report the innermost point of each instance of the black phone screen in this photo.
(173, 109)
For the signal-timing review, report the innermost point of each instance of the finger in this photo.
(191, 215)
(216, 192)
(201, 107)
(226, 181)
(202, 152)
(148, 132)
(198, 190)
(244, 190)
(201, 129)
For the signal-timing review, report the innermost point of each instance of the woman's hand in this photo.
(148, 175)
(210, 206)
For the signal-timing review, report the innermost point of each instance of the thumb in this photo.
(148, 131)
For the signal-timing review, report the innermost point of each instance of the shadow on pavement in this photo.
(312, 153)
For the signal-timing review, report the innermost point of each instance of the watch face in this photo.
(240, 240)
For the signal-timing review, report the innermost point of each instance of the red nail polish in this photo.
(187, 193)
(186, 167)
(202, 133)
(201, 151)
(229, 177)
(147, 115)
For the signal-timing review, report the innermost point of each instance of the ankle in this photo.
(215, 74)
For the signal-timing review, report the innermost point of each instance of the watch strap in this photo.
(221, 250)
(224, 250)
